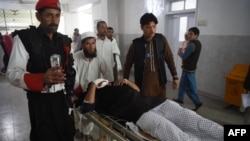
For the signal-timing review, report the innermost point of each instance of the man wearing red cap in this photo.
(31, 68)
(41, 4)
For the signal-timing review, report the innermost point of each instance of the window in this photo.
(11, 20)
(190, 4)
(176, 6)
(183, 5)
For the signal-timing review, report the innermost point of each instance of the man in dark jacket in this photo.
(46, 81)
(149, 54)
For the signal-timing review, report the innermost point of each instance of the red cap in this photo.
(48, 4)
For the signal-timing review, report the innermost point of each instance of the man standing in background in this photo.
(149, 54)
(2, 54)
(105, 48)
(76, 38)
(6, 43)
(118, 65)
(189, 64)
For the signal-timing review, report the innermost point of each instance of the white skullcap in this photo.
(87, 35)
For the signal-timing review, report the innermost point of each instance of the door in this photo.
(176, 26)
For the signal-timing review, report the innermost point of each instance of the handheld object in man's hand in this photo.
(55, 60)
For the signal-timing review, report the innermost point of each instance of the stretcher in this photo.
(112, 129)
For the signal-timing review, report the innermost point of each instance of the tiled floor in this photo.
(14, 117)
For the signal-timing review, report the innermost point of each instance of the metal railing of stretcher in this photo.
(114, 129)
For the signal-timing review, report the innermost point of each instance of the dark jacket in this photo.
(190, 63)
(48, 112)
(139, 57)
(40, 48)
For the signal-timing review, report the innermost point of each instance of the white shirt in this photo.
(106, 49)
(88, 70)
(117, 54)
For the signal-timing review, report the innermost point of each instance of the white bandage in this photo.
(126, 81)
(101, 82)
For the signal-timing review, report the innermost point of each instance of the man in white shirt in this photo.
(104, 46)
(118, 65)
(89, 67)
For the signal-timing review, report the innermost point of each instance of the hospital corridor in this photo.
(195, 51)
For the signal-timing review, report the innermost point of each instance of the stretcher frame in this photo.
(114, 129)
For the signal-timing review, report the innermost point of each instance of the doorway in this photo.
(176, 26)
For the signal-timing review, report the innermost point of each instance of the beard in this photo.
(89, 55)
(51, 28)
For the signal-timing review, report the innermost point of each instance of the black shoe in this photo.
(178, 101)
(197, 106)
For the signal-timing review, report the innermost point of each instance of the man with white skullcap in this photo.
(89, 67)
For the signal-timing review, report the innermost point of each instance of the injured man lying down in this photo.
(163, 119)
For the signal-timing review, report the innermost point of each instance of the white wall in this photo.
(97, 13)
(74, 5)
(130, 13)
(76, 17)
(113, 14)
(70, 21)
(225, 42)
(224, 17)
(100, 12)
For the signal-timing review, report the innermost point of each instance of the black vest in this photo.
(40, 48)
(140, 53)
(190, 63)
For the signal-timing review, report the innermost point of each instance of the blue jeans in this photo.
(188, 85)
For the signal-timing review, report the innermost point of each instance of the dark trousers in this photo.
(5, 61)
(49, 117)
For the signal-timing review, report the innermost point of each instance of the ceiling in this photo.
(31, 1)
(66, 5)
